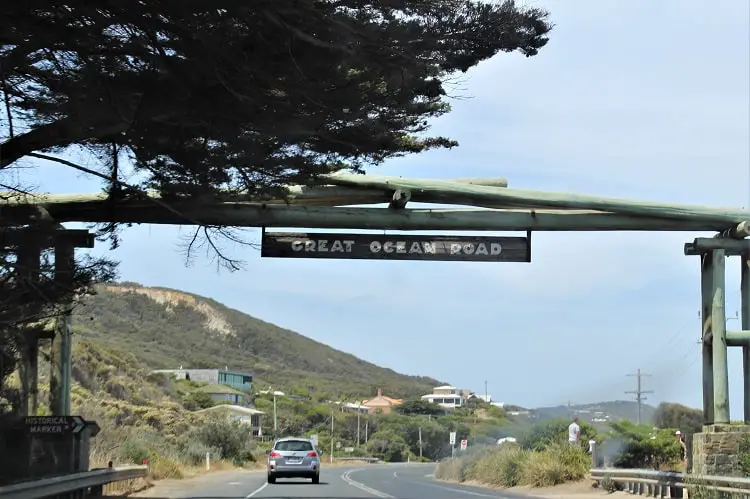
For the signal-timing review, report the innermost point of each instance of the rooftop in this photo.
(232, 408)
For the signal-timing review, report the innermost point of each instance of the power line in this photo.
(639, 392)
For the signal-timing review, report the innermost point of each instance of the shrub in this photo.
(134, 450)
(557, 464)
(453, 470)
(502, 466)
(161, 467)
(194, 452)
(510, 465)
(231, 439)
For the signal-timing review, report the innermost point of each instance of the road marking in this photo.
(234, 483)
(431, 475)
(395, 475)
(458, 491)
(252, 494)
(347, 478)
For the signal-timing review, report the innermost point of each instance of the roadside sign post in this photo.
(58, 444)
(452, 441)
(464, 444)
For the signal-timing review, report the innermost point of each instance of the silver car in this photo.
(294, 458)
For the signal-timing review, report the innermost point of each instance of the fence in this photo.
(670, 484)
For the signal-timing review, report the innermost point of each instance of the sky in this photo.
(639, 99)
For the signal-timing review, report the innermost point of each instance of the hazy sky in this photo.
(639, 99)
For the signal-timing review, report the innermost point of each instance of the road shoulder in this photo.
(572, 490)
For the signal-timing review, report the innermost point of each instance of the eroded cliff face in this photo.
(214, 320)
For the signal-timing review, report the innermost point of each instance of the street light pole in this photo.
(275, 420)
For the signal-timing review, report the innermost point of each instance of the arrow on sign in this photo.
(78, 424)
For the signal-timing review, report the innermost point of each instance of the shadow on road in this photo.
(281, 482)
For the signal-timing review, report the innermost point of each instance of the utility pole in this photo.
(486, 396)
(367, 424)
(639, 392)
(359, 412)
(420, 443)
(331, 434)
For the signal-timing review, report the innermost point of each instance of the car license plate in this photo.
(294, 460)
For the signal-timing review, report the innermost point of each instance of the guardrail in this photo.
(670, 484)
(85, 484)
(366, 459)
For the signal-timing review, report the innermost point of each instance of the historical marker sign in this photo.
(55, 424)
(396, 247)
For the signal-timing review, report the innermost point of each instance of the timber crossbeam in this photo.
(332, 204)
(42, 238)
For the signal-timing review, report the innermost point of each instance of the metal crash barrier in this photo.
(77, 485)
(669, 484)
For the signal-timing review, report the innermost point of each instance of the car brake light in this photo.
(312, 454)
(274, 454)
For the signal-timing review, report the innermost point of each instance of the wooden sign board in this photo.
(396, 247)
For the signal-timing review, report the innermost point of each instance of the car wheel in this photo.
(271, 478)
(316, 479)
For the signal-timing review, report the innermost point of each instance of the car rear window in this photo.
(294, 446)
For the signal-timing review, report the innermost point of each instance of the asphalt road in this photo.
(390, 481)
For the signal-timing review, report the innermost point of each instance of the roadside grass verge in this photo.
(509, 465)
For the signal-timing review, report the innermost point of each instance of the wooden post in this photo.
(61, 357)
(745, 307)
(707, 277)
(28, 271)
(718, 339)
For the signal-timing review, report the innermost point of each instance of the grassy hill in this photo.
(165, 329)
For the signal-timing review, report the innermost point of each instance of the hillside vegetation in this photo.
(543, 457)
(165, 329)
(126, 331)
(613, 411)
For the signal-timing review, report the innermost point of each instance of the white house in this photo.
(246, 415)
(446, 396)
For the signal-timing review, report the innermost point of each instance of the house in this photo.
(224, 394)
(447, 396)
(235, 379)
(488, 399)
(244, 415)
(381, 404)
(353, 407)
(483, 398)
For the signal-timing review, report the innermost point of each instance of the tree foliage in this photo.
(640, 446)
(30, 297)
(243, 95)
(679, 417)
(413, 407)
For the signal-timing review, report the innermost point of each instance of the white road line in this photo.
(234, 483)
(395, 475)
(252, 494)
(345, 477)
(456, 490)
